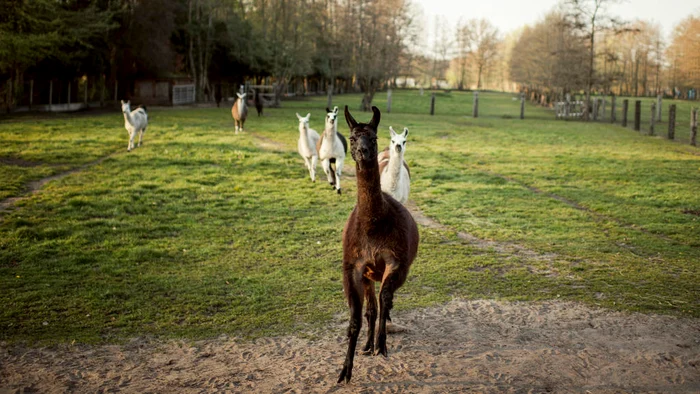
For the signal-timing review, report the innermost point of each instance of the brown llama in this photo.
(239, 111)
(380, 241)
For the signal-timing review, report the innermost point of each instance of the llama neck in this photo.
(128, 118)
(370, 202)
(241, 107)
(330, 132)
(304, 134)
(394, 167)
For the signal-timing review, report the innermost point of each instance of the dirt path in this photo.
(34, 186)
(463, 346)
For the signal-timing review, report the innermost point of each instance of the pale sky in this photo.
(509, 15)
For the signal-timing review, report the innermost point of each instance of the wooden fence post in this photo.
(602, 112)
(388, 101)
(613, 114)
(653, 119)
(69, 93)
(658, 108)
(102, 91)
(567, 106)
(693, 126)
(50, 95)
(595, 108)
(329, 100)
(421, 90)
(637, 115)
(522, 105)
(116, 89)
(31, 93)
(85, 96)
(625, 107)
(432, 104)
(671, 121)
(475, 107)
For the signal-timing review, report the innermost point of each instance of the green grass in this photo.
(202, 232)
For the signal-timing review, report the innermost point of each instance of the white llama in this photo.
(332, 148)
(394, 172)
(135, 121)
(308, 138)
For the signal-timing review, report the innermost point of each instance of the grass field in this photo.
(202, 232)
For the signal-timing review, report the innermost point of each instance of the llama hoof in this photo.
(345, 374)
(339, 191)
(381, 351)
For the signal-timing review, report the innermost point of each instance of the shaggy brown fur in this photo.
(237, 119)
(380, 241)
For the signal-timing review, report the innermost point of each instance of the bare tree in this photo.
(484, 40)
(589, 16)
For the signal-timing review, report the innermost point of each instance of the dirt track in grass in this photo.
(462, 346)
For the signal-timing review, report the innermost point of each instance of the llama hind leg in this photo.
(143, 130)
(370, 315)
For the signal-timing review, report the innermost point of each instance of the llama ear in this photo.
(335, 109)
(122, 101)
(239, 95)
(392, 132)
(348, 118)
(405, 132)
(299, 116)
(308, 116)
(328, 110)
(375, 118)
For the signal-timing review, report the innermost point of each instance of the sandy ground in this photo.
(463, 346)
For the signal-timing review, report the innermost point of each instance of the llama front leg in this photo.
(236, 123)
(326, 163)
(312, 170)
(338, 169)
(130, 146)
(355, 301)
(393, 279)
(242, 122)
(370, 315)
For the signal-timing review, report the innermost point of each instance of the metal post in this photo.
(653, 119)
(475, 108)
(522, 106)
(432, 104)
(658, 108)
(69, 93)
(637, 115)
(625, 107)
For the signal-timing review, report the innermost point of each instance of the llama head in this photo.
(331, 117)
(398, 141)
(303, 121)
(126, 106)
(363, 138)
